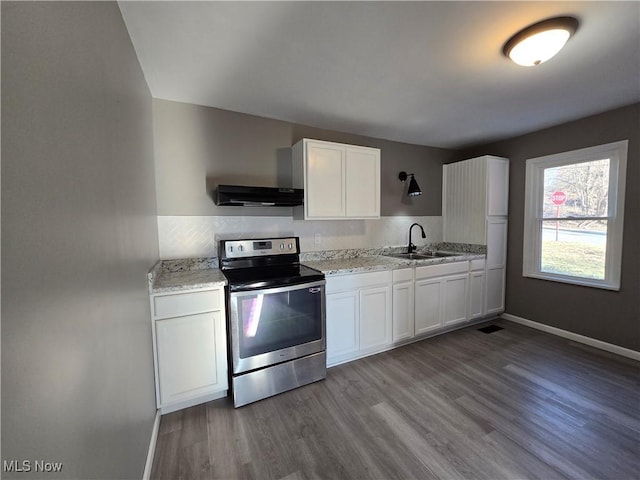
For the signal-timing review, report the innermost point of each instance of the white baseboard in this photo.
(152, 447)
(609, 347)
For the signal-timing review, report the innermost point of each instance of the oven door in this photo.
(270, 326)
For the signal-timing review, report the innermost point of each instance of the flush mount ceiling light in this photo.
(414, 189)
(539, 42)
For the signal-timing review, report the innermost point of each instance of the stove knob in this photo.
(240, 248)
(282, 246)
(290, 246)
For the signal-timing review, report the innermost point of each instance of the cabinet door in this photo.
(325, 180)
(362, 182)
(428, 305)
(191, 356)
(497, 186)
(496, 264)
(375, 317)
(454, 294)
(342, 325)
(476, 294)
(495, 290)
(496, 242)
(403, 323)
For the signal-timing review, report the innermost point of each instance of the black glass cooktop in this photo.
(253, 278)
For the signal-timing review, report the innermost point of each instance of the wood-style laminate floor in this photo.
(514, 404)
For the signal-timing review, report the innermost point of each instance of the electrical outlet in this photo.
(317, 239)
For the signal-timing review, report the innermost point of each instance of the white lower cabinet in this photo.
(403, 304)
(441, 296)
(454, 305)
(187, 360)
(343, 313)
(375, 318)
(359, 320)
(189, 348)
(428, 305)
(495, 290)
(476, 289)
(371, 312)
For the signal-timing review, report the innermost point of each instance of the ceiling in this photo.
(428, 73)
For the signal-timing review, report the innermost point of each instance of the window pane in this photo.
(574, 248)
(576, 190)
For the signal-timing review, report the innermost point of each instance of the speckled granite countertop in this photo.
(164, 277)
(189, 280)
(195, 273)
(344, 266)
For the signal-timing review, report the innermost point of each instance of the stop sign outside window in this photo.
(558, 198)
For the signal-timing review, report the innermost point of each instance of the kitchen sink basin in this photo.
(420, 256)
(410, 256)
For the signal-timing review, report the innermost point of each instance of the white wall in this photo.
(78, 236)
(197, 236)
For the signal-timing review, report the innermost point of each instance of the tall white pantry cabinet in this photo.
(475, 207)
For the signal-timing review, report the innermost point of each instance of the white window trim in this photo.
(617, 152)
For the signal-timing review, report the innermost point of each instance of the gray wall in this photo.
(613, 317)
(78, 235)
(198, 147)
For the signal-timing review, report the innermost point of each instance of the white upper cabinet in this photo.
(363, 182)
(497, 186)
(325, 168)
(472, 190)
(339, 181)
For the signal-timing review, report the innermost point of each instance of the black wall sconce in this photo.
(414, 189)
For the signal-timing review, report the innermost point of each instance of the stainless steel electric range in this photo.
(276, 317)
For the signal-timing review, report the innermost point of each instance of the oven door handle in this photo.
(315, 290)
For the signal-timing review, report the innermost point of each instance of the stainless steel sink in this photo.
(420, 256)
(410, 256)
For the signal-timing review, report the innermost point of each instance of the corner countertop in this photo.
(190, 280)
(164, 279)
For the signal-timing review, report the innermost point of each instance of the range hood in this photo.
(238, 195)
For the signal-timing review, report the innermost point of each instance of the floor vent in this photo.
(490, 329)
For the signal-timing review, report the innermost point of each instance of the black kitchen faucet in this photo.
(411, 248)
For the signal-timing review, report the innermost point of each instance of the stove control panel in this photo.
(258, 247)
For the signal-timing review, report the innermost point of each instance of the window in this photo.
(574, 209)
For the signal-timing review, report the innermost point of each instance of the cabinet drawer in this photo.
(477, 264)
(403, 275)
(441, 270)
(178, 304)
(340, 283)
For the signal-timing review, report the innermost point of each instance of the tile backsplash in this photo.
(198, 236)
